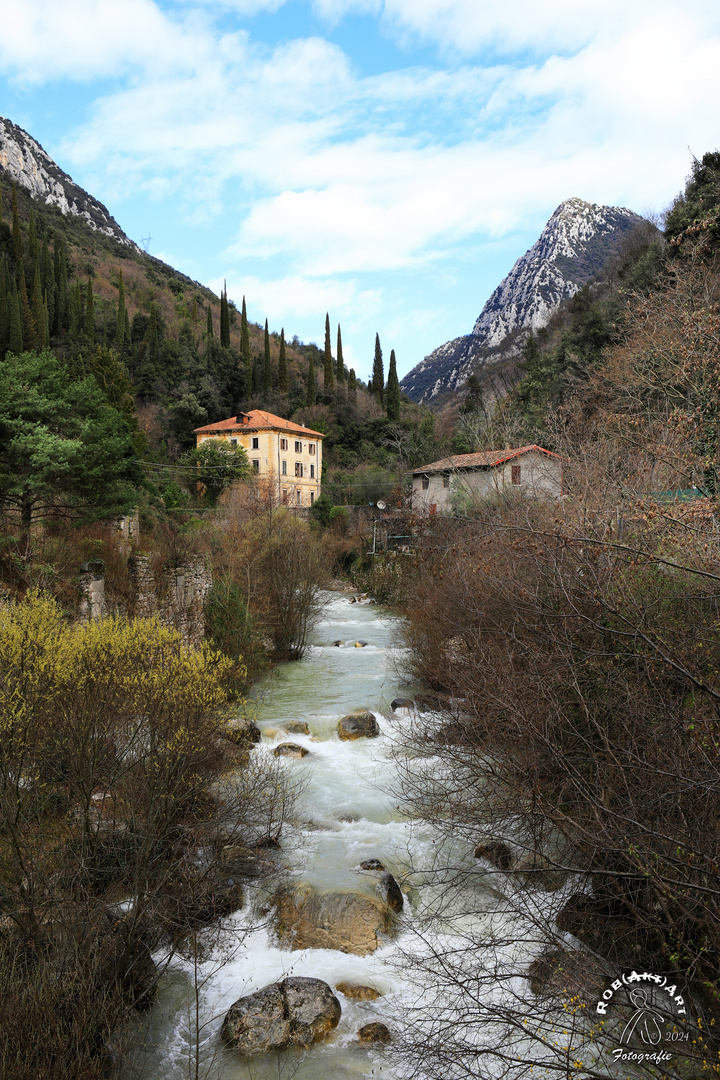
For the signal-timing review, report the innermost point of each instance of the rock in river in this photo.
(358, 725)
(373, 1033)
(290, 749)
(294, 1012)
(356, 992)
(307, 919)
(297, 727)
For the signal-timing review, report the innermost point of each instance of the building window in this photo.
(298, 497)
(256, 465)
(283, 444)
(425, 483)
(515, 474)
(233, 442)
(298, 468)
(255, 444)
(283, 468)
(311, 448)
(446, 480)
(312, 471)
(283, 496)
(312, 497)
(298, 447)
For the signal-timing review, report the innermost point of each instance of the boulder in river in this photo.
(497, 853)
(402, 703)
(358, 725)
(297, 727)
(360, 644)
(338, 644)
(390, 892)
(373, 864)
(356, 992)
(374, 1033)
(242, 732)
(290, 749)
(294, 1012)
(308, 919)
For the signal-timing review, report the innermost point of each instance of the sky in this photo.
(385, 161)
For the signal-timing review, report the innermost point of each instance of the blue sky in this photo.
(383, 160)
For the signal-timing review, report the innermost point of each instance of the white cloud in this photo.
(299, 297)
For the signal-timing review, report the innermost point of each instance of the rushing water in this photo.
(347, 815)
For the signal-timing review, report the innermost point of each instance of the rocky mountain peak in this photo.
(572, 249)
(24, 161)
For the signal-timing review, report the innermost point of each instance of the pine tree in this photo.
(89, 319)
(120, 317)
(352, 387)
(224, 318)
(340, 362)
(210, 331)
(15, 337)
(392, 391)
(377, 383)
(267, 366)
(311, 383)
(282, 365)
(329, 373)
(17, 244)
(245, 349)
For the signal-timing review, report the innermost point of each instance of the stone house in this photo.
(441, 485)
(286, 457)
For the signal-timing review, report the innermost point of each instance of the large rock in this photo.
(290, 749)
(390, 892)
(294, 1012)
(297, 727)
(242, 732)
(307, 919)
(402, 703)
(358, 725)
(357, 992)
(370, 1034)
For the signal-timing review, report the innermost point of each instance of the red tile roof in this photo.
(483, 459)
(257, 420)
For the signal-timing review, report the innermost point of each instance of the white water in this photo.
(347, 815)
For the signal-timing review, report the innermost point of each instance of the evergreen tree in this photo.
(282, 365)
(352, 387)
(245, 349)
(267, 367)
(17, 244)
(48, 285)
(210, 331)
(392, 391)
(377, 383)
(224, 319)
(340, 363)
(4, 310)
(194, 310)
(62, 302)
(33, 246)
(311, 383)
(1, 216)
(29, 329)
(75, 309)
(89, 319)
(15, 337)
(329, 373)
(120, 317)
(38, 311)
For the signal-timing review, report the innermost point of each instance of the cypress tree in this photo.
(15, 337)
(352, 387)
(29, 329)
(282, 365)
(89, 320)
(224, 319)
(245, 349)
(4, 311)
(267, 367)
(311, 383)
(0, 201)
(33, 246)
(377, 383)
(38, 311)
(210, 331)
(329, 374)
(62, 302)
(17, 244)
(340, 363)
(120, 317)
(48, 285)
(392, 392)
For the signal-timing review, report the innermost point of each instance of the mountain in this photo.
(572, 249)
(24, 161)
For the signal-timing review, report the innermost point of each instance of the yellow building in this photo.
(288, 456)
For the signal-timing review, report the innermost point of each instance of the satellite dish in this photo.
(380, 504)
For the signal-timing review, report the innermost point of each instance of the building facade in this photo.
(449, 483)
(285, 457)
